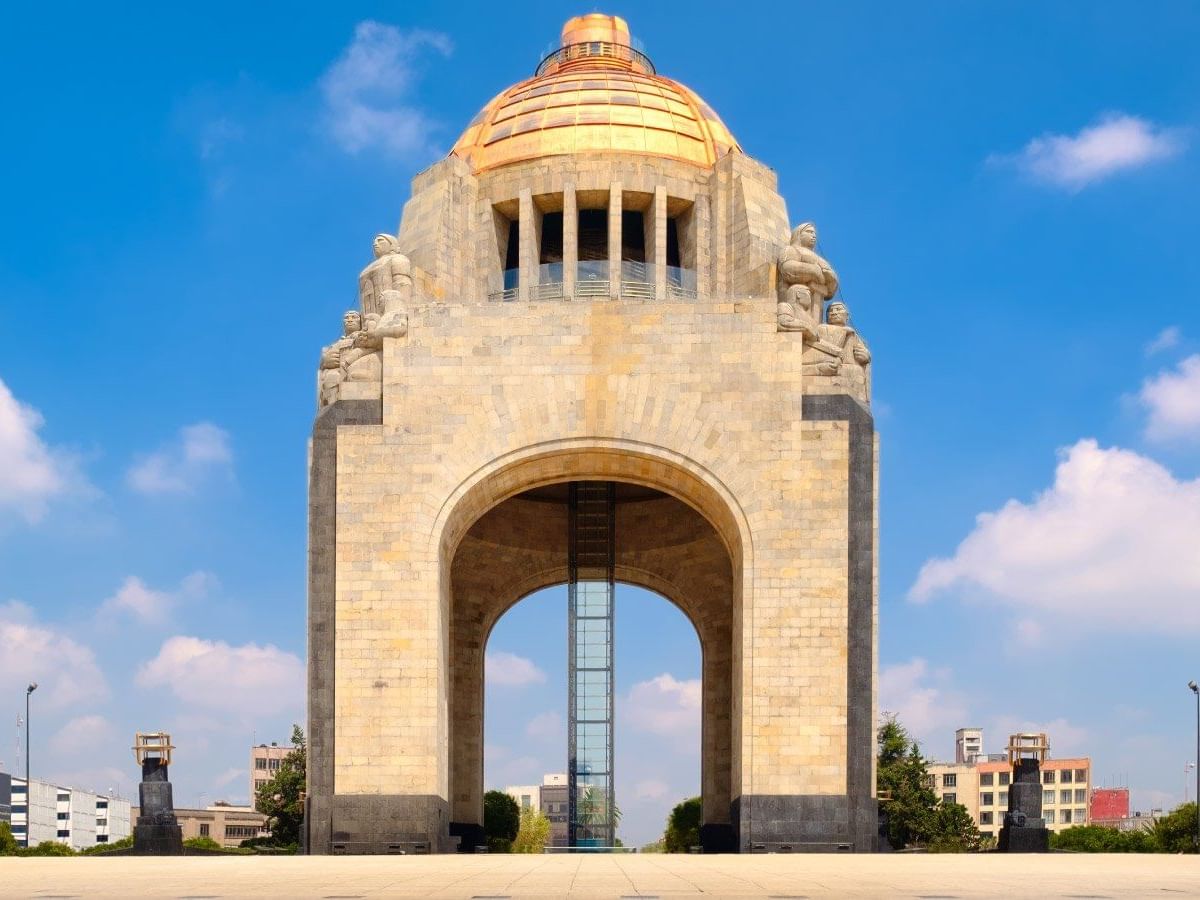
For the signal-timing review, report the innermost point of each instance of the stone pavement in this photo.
(781, 877)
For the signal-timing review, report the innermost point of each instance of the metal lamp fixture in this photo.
(28, 787)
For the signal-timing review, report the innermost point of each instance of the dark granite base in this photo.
(718, 838)
(157, 840)
(389, 823)
(1024, 840)
(784, 823)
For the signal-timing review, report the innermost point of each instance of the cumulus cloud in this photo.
(135, 600)
(511, 670)
(1111, 542)
(1164, 340)
(31, 473)
(65, 670)
(181, 466)
(1172, 402)
(1117, 142)
(665, 705)
(1065, 738)
(246, 679)
(922, 699)
(366, 89)
(80, 733)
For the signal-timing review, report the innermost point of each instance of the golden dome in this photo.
(595, 93)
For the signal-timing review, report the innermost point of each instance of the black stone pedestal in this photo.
(1024, 829)
(156, 833)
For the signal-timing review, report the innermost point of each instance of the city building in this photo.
(968, 744)
(1109, 806)
(982, 786)
(226, 824)
(79, 819)
(595, 351)
(265, 761)
(551, 798)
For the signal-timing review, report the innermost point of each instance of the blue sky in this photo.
(1008, 194)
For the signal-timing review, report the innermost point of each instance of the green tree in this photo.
(1098, 839)
(904, 778)
(953, 830)
(279, 799)
(683, 826)
(1176, 831)
(654, 847)
(533, 834)
(501, 821)
(8, 843)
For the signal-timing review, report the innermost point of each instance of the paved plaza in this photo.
(810, 876)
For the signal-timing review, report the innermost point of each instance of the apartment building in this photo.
(80, 819)
(551, 798)
(265, 761)
(226, 824)
(981, 786)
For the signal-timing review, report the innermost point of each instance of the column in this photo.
(527, 253)
(570, 241)
(614, 240)
(660, 243)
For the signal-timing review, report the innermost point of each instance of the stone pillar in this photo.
(528, 253)
(702, 246)
(614, 240)
(660, 242)
(570, 241)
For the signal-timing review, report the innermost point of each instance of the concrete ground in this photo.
(782, 877)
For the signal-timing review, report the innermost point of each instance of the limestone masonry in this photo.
(597, 284)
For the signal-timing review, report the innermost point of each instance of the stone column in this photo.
(614, 240)
(528, 252)
(660, 242)
(702, 246)
(570, 241)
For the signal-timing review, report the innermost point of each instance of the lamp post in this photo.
(28, 787)
(1195, 690)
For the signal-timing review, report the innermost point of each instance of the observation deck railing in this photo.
(636, 281)
(594, 51)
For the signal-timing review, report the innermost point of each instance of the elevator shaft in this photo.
(591, 572)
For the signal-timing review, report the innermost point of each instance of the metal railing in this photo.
(593, 50)
(636, 281)
(681, 283)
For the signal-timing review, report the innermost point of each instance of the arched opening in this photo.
(658, 726)
(507, 536)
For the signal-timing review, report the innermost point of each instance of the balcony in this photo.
(637, 281)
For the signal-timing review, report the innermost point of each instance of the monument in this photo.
(1024, 830)
(156, 832)
(594, 310)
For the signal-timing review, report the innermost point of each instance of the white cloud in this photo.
(365, 90)
(151, 607)
(921, 700)
(1116, 143)
(547, 726)
(1112, 542)
(665, 705)
(229, 776)
(65, 670)
(1172, 401)
(1164, 340)
(30, 472)
(75, 737)
(182, 466)
(511, 670)
(246, 679)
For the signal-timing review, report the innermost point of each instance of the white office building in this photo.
(79, 819)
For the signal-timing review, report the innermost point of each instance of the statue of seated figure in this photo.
(837, 332)
(389, 271)
(331, 372)
(805, 281)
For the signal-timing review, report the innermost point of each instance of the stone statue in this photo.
(805, 281)
(389, 271)
(836, 332)
(331, 373)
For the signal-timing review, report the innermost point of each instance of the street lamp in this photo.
(1195, 690)
(28, 787)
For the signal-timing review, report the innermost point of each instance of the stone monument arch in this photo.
(596, 286)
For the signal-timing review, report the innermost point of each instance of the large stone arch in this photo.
(678, 535)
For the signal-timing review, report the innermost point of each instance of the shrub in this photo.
(47, 848)
(202, 843)
(8, 843)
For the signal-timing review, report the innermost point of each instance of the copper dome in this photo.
(595, 93)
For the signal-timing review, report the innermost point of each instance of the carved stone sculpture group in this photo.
(385, 289)
(805, 281)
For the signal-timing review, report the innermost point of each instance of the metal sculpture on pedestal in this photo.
(1024, 829)
(157, 832)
